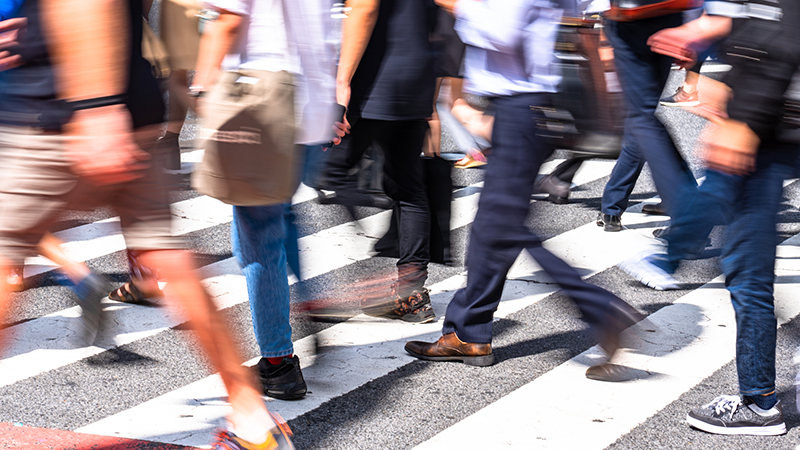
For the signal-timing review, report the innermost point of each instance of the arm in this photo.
(356, 33)
(684, 42)
(218, 40)
(88, 43)
(730, 145)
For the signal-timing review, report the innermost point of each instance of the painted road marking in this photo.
(694, 338)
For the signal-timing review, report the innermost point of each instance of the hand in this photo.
(731, 147)
(10, 32)
(678, 43)
(447, 5)
(101, 148)
(342, 98)
(340, 129)
(432, 146)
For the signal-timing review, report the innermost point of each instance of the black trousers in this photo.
(403, 182)
(499, 233)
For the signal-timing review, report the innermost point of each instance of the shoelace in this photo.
(725, 402)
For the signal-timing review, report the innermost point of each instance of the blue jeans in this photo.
(313, 164)
(258, 234)
(751, 205)
(499, 233)
(643, 75)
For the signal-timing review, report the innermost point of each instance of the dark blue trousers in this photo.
(499, 233)
(643, 75)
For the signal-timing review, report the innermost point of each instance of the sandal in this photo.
(470, 161)
(129, 293)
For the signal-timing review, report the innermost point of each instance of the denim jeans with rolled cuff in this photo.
(750, 205)
(258, 237)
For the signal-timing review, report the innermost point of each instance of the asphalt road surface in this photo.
(142, 379)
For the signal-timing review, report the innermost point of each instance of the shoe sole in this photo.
(479, 361)
(413, 317)
(651, 212)
(771, 430)
(417, 317)
(291, 391)
(685, 104)
(611, 373)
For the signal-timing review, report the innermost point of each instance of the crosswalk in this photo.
(142, 379)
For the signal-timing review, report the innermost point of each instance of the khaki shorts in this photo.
(37, 185)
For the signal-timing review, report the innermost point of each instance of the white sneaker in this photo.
(642, 268)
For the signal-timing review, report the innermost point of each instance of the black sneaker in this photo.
(283, 381)
(608, 222)
(730, 414)
(416, 308)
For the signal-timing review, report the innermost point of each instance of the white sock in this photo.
(256, 428)
(762, 412)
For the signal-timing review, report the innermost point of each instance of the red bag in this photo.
(629, 10)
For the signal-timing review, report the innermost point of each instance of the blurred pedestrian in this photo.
(77, 117)
(520, 84)
(258, 117)
(180, 22)
(643, 75)
(748, 156)
(386, 80)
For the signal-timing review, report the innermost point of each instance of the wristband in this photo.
(98, 102)
(60, 112)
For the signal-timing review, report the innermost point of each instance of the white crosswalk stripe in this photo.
(692, 338)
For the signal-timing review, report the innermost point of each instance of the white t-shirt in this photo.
(292, 36)
(264, 42)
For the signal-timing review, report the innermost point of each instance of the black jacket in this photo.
(764, 52)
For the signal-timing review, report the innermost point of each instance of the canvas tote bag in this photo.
(255, 118)
(249, 136)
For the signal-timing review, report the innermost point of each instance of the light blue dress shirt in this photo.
(509, 45)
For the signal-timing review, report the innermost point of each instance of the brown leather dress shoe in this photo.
(450, 348)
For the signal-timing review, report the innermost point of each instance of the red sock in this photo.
(279, 359)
